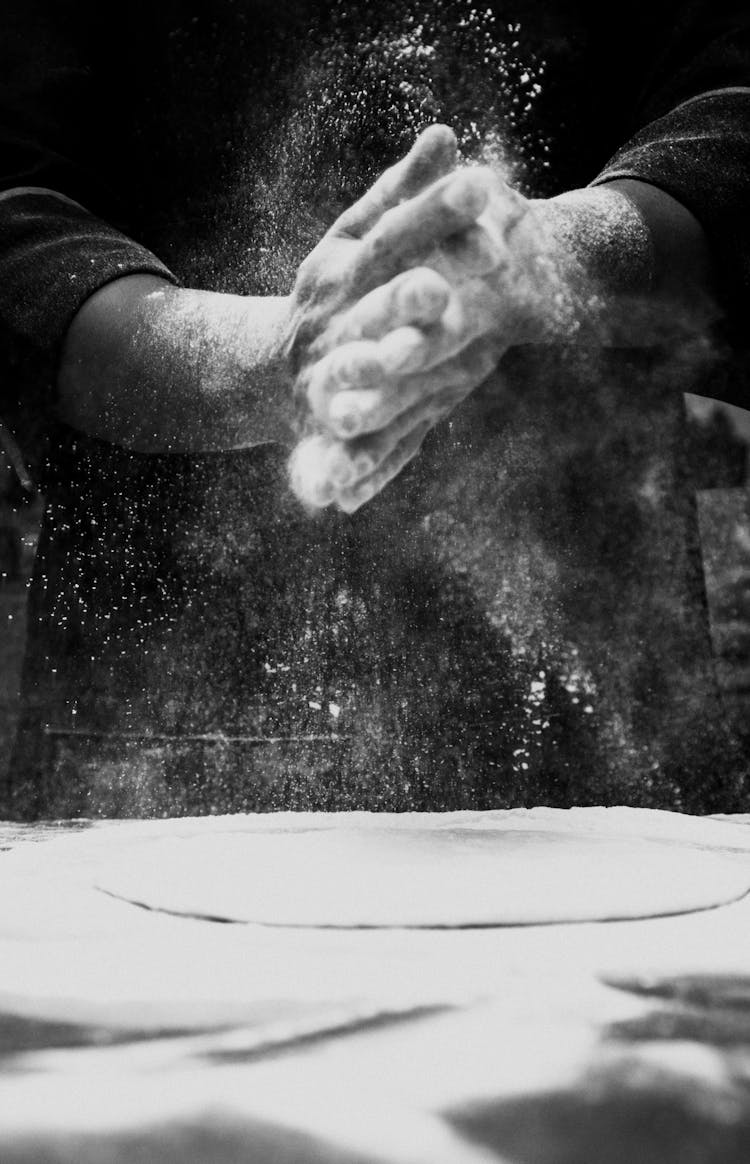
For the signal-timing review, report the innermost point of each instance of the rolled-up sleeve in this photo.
(694, 143)
(58, 244)
(53, 255)
(699, 153)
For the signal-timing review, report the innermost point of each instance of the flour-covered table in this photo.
(542, 987)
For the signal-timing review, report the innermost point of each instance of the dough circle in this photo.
(422, 877)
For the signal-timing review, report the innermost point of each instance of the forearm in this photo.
(626, 253)
(158, 368)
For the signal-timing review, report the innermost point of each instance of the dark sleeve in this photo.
(58, 243)
(694, 143)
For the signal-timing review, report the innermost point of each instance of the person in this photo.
(511, 615)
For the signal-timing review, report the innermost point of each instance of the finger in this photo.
(419, 225)
(320, 465)
(473, 252)
(349, 500)
(323, 468)
(364, 364)
(432, 155)
(360, 411)
(354, 365)
(415, 297)
(471, 313)
(476, 311)
(309, 471)
(382, 366)
(367, 454)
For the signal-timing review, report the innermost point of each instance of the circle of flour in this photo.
(451, 877)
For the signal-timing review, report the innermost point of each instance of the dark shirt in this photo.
(517, 619)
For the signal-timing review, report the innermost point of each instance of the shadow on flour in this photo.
(669, 1087)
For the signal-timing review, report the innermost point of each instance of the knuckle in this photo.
(429, 278)
(387, 219)
(426, 291)
(364, 463)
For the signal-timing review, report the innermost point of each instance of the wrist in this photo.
(264, 390)
(597, 256)
(599, 236)
(631, 264)
(569, 260)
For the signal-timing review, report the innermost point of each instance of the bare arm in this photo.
(158, 368)
(630, 240)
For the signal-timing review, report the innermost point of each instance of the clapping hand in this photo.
(443, 270)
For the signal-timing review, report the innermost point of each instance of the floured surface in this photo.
(426, 873)
(130, 1033)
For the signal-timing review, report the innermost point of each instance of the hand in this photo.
(372, 241)
(397, 361)
(413, 208)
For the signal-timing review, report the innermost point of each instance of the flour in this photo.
(417, 872)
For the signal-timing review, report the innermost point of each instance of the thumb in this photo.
(432, 156)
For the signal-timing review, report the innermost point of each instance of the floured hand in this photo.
(400, 359)
(376, 239)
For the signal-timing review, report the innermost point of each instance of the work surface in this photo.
(134, 1034)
